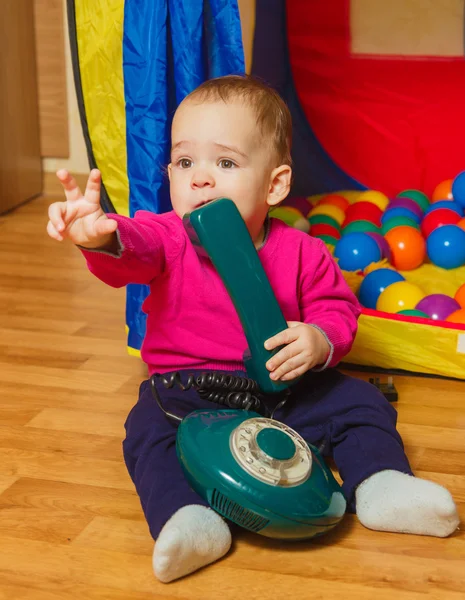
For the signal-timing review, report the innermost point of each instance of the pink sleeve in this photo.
(327, 302)
(146, 245)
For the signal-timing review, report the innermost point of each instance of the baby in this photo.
(231, 138)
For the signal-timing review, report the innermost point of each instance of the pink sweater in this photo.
(191, 320)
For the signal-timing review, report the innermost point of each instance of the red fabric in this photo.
(391, 123)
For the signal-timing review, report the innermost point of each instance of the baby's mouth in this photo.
(203, 202)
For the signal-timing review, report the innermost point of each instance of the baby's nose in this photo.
(202, 178)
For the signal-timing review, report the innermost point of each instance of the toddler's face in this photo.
(217, 151)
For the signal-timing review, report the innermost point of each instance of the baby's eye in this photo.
(226, 163)
(185, 163)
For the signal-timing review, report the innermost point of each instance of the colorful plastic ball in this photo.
(460, 295)
(366, 226)
(382, 243)
(392, 213)
(438, 218)
(407, 246)
(457, 317)
(446, 247)
(442, 191)
(458, 189)
(317, 219)
(374, 284)
(323, 229)
(356, 251)
(375, 197)
(328, 239)
(461, 224)
(363, 211)
(330, 211)
(335, 200)
(438, 306)
(406, 203)
(401, 295)
(413, 313)
(420, 198)
(398, 222)
(448, 204)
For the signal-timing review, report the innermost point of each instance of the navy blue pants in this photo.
(351, 419)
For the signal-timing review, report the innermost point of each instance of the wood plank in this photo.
(13, 437)
(79, 421)
(65, 467)
(90, 500)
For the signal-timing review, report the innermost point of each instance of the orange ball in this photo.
(408, 247)
(335, 200)
(443, 191)
(457, 317)
(461, 224)
(460, 295)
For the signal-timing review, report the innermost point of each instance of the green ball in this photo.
(419, 197)
(398, 222)
(327, 239)
(412, 312)
(362, 226)
(319, 219)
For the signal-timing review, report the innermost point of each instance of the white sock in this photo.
(193, 537)
(394, 501)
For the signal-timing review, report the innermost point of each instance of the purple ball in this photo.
(438, 306)
(407, 203)
(382, 244)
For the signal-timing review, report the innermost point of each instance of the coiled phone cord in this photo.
(222, 388)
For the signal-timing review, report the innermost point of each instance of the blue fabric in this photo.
(169, 48)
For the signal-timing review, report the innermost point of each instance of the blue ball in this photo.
(450, 204)
(446, 247)
(356, 251)
(374, 284)
(399, 211)
(458, 189)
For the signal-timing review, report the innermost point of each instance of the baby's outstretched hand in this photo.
(80, 217)
(304, 348)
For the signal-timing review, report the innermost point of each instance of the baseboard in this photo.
(52, 187)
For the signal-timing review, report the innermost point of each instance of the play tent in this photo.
(375, 90)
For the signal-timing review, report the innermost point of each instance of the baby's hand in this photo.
(305, 347)
(80, 218)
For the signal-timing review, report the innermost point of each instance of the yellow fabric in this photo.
(392, 344)
(99, 30)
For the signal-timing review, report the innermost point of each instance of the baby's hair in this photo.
(273, 116)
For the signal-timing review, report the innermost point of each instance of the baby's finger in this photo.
(294, 363)
(284, 337)
(70, 185)
(56, 212)
(105, 226)
(53, 233)
(295, 373)
(282, 356)
(93, 186)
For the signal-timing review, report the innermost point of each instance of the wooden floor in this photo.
(70, 523)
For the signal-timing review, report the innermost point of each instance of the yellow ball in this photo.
(329, 210)
(401, 295)
(374, 197)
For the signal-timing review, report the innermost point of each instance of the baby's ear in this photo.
(280, 184)
(169, 171)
